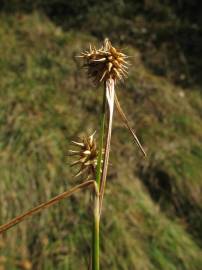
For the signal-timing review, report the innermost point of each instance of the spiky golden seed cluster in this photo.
(87, 155)
(106, 62)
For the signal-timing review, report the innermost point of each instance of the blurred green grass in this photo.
(152, 213)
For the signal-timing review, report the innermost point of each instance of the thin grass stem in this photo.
(96, 233)
(96, 221)
(101, 140)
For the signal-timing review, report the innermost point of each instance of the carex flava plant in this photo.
(106, 65)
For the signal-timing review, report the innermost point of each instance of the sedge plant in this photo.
(105, 65)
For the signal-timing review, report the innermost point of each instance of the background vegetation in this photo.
(152, 213)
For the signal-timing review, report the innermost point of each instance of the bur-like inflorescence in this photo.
(87, 155)
(106, 62)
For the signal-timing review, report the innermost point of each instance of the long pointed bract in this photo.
(42, 206)
(126, 122)
(110, 100)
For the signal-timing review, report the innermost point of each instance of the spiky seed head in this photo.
(87, 155)
(104, 63)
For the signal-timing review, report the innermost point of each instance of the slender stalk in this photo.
(101, 140)
(96, 229)
(96, 221)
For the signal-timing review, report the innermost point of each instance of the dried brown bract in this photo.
(106, 62)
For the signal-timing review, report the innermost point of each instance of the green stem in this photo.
(101, 141)
(96, 225)
(96, 222)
